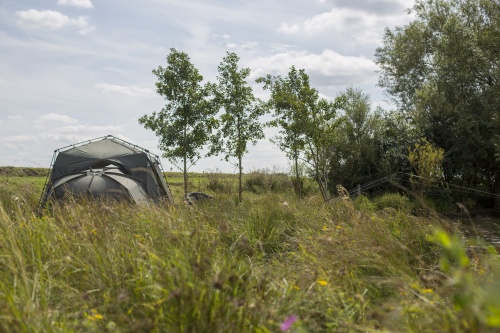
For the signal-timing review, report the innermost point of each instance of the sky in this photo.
(75, 70)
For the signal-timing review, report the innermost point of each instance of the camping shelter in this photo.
(108, 167)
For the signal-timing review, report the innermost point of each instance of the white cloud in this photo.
(90, 129)
(15, 117)
(78, 133)
(124, 90)
(360, 26)
(19, 139)
(56, 118)
(224, 36)
(11, 146)
(76, 3)
(52, 19)
(334, 20)
(328, 63)
(5, 82)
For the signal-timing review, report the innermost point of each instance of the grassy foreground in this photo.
(271, 264)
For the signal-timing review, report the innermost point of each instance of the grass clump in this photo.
(395, 201)
(266, 180)
(219, 182)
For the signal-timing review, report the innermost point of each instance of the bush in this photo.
(396, 201)
(364, 204)
(219, 182)
(265, 180)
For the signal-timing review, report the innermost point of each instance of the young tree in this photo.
(184, 125)
(289, 99)
(320, 127)
(426, 161)
(306, 122)
(241, 111)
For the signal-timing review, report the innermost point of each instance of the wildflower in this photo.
(322, 282)
(325, 228)
(296, 287)
(93, 232)
(427, 291)
(95, 315)
(287, 324)
(339, 227)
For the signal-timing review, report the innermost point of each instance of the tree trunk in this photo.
(185, 161)
(297, 179)
(185, 178)
(240, 186)
(496, 191)
(319, 178)
(322, 188)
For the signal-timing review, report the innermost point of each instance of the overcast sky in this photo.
(74, 70)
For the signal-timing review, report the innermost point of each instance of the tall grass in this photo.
(99, 266)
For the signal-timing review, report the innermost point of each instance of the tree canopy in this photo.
(240, 124)
(355, 145)
(443, 70)
(185, 123)
(304, 120)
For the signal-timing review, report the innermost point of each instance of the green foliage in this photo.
(18, 191)
(264, 180)
(397, 135)
(219, 182)
(239, 121)
(355, 141)
(364, 204)
(443, 72)
(426, 161)
(396, 201)
(290, 99)
(183, 126)
(475, 297)
(23, 172)
(306, 123)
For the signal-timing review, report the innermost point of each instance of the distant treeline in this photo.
(23, 171)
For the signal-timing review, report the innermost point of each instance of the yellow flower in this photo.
(93, 231)
(339, 227)
(296, 287)
(427, 291)
(322, 282)
(95, 315)
(325, 228)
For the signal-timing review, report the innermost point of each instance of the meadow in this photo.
(270, 264)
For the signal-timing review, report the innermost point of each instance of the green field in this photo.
(273, 263)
